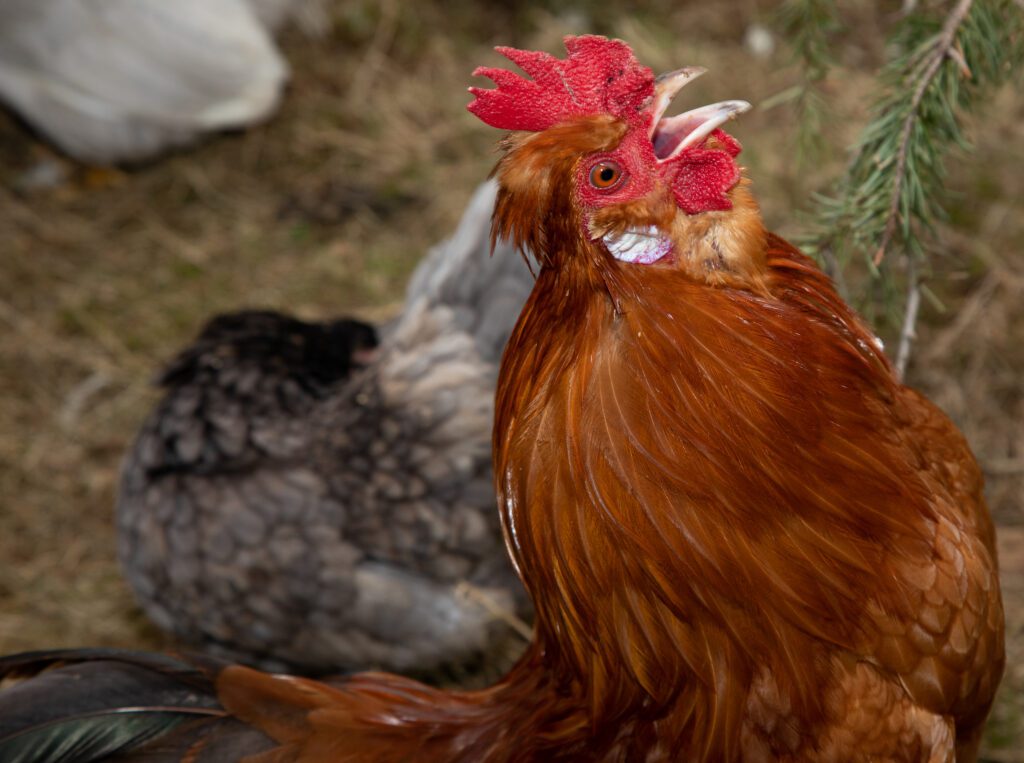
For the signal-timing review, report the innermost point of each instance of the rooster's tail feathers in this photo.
(78, 706)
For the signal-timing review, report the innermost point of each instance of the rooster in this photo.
(744, 539)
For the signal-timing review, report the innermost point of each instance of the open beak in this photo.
(673, 134)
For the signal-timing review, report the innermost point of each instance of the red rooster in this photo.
(745, 540)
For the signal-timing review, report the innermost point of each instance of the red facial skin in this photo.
(602, 76)
(699, 177)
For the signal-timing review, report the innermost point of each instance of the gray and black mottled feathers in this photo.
(275, 346)
(316, 517)
(84, 705)
(485, 293)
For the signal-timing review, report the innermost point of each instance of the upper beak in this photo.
(667, 85)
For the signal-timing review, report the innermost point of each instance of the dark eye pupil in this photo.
(603, 175)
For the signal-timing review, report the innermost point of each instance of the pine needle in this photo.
(808, 25)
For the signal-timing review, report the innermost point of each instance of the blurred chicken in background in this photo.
(280, 511)
(112, 81)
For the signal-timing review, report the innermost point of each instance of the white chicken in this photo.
(112, 81)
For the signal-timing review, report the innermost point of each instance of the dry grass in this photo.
(326, 210)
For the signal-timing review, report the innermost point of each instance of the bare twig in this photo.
(485, 600)
(908, 329)
(944, 46)
(999, 279)
(968, 315)
(43, 342)
(1002, 756)
(957, 54)
(78, 398)
(835, 269)
(1003, 467)
(376, 54)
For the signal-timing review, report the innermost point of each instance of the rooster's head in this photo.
(594, 168)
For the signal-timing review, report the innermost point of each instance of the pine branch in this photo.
(943, 48)
(808, 25)
(892, 192)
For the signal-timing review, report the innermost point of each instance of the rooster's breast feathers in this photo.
(749, 466)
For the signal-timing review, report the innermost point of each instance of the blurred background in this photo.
(325, 208)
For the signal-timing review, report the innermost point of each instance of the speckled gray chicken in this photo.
(303, 499)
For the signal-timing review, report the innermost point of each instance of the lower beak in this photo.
(674, 134)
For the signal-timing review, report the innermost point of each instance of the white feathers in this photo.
(121, 80)
(639, 245)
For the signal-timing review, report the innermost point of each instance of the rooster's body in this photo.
(745, 540)
(809, 569)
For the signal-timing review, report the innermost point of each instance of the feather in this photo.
(83, 738)
(76, 706)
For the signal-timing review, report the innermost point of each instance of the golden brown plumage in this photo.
(729, 512)
(722, 500)
(744, 538)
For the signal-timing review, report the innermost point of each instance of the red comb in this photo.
(600, 76)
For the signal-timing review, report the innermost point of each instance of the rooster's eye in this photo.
(605, 175)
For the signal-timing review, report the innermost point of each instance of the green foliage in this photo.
(945, 59)
(808, 25)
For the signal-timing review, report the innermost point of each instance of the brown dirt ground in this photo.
(326, 209)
